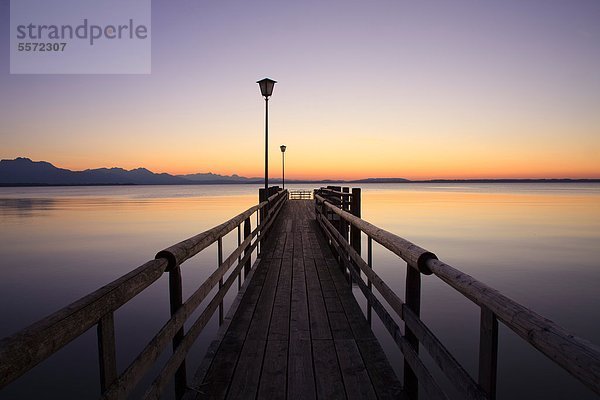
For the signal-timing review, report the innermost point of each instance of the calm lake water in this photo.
(537, 243)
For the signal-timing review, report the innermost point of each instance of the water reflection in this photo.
(536, 243)
(24, 207)
(58, 244)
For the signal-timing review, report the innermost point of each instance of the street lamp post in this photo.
(266, 89)
(282, 147)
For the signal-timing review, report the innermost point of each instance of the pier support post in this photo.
(107, 351)
(176, 300)
(413, 302)
(488, 352)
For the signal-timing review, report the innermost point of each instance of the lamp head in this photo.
(266, 87)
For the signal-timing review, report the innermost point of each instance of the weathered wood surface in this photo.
(298, 332)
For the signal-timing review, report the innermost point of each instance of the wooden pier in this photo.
(297, 332)
(295, 329)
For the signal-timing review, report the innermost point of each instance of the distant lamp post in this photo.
(266, 89)
(282, 147)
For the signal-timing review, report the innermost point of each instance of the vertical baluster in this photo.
(220, 261)
(488, 352)
(239, 235)
(247, 232)
(345, 207)
(176, 300)
(355, 239)
(346, 234)
(353, 206)
(264, 213)
(413, 302)
(369, 284)
(107, 351)
(338, 203)
(259, 244)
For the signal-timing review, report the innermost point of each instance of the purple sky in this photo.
(389, 88)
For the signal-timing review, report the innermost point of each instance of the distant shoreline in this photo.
(323, 182)
(23, 172)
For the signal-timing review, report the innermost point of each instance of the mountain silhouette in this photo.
(24, 171)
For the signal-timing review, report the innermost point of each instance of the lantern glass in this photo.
(282, 147)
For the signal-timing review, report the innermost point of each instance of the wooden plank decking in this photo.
(298, 332)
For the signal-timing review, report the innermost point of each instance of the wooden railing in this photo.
(22, 351)
(338, 214)
(300, 194)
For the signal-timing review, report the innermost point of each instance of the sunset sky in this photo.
(413, 89)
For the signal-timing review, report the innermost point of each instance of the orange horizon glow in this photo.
(327, 172)
(332, 146)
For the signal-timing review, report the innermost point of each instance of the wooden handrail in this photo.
(27, 348)
(414, 255)
(576, 355)
(273, 197)
(188, 248)
(22, 351)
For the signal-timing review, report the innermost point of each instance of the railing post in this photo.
(263, 195)
(318, 208)
(488, 352)
(413, 302)
(239, 237)
(258, 245)
(247, 232)
(345, 207)
(176, 300)
(355, 241)
(107, 351)
(338, 199)
(220, 261)
(336, 221)
(369, 283)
